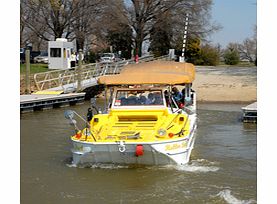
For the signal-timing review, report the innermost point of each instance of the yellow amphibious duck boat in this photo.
(144, 121)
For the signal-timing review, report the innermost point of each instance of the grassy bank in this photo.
(34, 68)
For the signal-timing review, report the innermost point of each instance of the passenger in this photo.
(150, 99)
(157, 99)
(142, 100)
(178, 96)
(123, 101)
(192, 94)
(132, 100)
(89, 115)
(187, 100)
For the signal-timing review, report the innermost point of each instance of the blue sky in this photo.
(237, 17)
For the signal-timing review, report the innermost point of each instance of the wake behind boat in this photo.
(146, 120)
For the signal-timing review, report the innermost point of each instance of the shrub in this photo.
(231, 57)
(209, 55)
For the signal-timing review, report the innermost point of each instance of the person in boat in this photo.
(132, 98)
(89, 115)
(187, 100)
(157, 99)
(142, 99)
(178, 96)
(150, 99)
(167, 98)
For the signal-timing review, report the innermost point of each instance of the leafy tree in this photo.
(192, 52)
(231, 57)
(209, 55)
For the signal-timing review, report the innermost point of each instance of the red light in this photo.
(170, 135)
(139, 150)
(78, 135)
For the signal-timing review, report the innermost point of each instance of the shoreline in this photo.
(219, 86)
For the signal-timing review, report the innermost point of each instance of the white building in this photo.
(59, 54)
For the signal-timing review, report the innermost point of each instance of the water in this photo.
(223, 167)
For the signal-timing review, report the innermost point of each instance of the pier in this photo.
(32, 102)
(61, 88)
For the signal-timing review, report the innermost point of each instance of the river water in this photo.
(223, 166)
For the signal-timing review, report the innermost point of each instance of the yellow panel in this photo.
(110, 127)
(48, 92)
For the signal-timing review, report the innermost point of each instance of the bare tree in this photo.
(87, 20)
(51, 19)
(142, 15)
(86, 13)
(248, 50)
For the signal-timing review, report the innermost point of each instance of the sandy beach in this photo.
(221, 84)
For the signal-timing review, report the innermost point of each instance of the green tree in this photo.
(209, 55)
(192, 51)
(231, 57)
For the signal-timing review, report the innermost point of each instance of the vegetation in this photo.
(92, 22)
(121, 41)
(193, 50)
(160, 37)
(231, 57)
(209, 55)
(34, 68)
(126, 25)
(201, 54)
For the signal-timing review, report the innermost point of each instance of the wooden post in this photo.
(79, 71)
(27, 72)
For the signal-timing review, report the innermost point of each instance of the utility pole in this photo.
(182, 59)
(79, 71)
(27, 73)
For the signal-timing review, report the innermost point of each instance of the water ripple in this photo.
(229, 198)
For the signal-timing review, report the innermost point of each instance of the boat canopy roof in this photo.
(156, 72)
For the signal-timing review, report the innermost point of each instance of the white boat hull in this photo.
(176, 151)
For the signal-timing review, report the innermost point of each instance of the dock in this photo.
(33, 102)
(250, 113)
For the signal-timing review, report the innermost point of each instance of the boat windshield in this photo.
(138, 98)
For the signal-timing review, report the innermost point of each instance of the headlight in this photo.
(161, 132)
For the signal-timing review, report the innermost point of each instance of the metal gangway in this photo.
(87, 75)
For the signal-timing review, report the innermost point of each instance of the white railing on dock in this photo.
(61, 78)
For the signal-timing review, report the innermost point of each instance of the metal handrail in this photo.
(56, 78)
